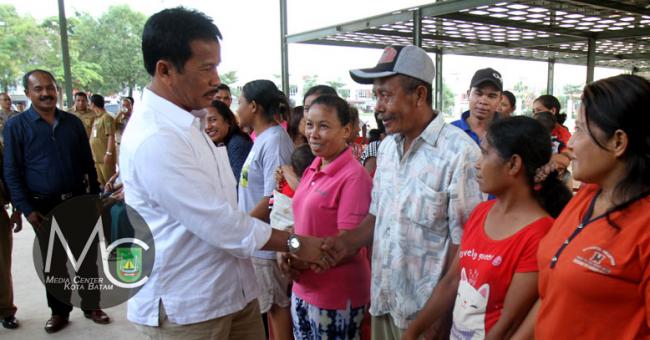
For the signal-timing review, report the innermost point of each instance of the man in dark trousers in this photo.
(47, 159)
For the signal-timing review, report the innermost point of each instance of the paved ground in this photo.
(29, 295)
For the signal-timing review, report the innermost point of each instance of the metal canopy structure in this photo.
(607, 33)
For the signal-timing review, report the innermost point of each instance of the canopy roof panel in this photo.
(540, 30)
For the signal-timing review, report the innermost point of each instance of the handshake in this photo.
(317, 254)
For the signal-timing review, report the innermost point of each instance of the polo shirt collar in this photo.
(336, 165)
(463, 122)
(170, 111)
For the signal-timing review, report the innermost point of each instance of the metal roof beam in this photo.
(516, 24)
(612, 5)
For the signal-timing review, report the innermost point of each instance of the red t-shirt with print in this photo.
(487, 267)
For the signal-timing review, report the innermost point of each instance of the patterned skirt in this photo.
(313, 323)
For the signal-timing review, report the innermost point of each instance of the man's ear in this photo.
(164, 71)
(421, 92)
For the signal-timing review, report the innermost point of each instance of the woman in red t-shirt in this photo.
(493, 277)
(594, 278)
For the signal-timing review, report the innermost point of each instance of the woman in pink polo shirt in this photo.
(332, 197)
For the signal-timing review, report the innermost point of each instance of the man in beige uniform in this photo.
(81, 110)
(102, 140)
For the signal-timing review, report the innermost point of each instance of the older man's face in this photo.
(395, 107)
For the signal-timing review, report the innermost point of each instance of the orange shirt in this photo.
(599, 286)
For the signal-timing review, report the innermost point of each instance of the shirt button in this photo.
(312, 183)
(554, 259)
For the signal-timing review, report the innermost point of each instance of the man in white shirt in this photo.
(202, 285)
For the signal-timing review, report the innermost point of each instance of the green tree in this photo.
(308, 82)
(339, 86)
(525, 97)
(229, 78)
(21, 41)
(448, 99)
(114, 41)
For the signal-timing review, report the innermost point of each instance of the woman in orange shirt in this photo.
(594, 278)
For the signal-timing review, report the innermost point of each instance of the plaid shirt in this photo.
(421, 200)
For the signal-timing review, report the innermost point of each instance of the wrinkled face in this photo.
(42, 92)
(491, 169)
(484, 101)
(81, 103)
(591, 163)
(5, 102)
(196, 85)
(395, 108)
(325, 133)
(224, 97)
(505, 108)
(126, 106)
(216, 127)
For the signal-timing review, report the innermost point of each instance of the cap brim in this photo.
(368, 75)
(487, 80)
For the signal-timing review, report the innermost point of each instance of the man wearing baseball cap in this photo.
(484, 96)
(423, 191)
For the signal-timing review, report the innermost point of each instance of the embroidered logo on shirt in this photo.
(497, 261)
(596, 259)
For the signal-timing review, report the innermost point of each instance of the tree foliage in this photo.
(105, 52)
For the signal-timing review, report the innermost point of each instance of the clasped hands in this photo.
(317, 254)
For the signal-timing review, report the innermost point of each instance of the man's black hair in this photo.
(167, 35)
(28, 74)
(97, 100)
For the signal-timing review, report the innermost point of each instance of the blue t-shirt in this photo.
(270, 150)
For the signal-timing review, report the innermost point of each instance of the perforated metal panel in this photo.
(528, 29)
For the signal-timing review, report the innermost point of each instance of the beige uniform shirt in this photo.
(103, 126)
(87, 118)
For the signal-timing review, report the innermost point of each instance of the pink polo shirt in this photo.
(326, 202)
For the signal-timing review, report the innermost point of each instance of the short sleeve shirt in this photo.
(487, 267)
(103, 127)
(421, 201)
(600, 285)
(270, 150)
(87, 118)
(327, 201)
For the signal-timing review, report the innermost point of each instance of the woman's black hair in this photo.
(266, 94)
(337, 103)
(550, 102)
(293, 127)
(547, 118)
(526, 137)
(621, 103)
(229, 117)
(319, 89)
(301, 159)
(511, 98)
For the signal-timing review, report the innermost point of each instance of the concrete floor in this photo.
(29, 297)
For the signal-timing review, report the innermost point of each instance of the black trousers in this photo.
(59, 303)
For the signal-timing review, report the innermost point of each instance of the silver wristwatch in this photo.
(293, 243)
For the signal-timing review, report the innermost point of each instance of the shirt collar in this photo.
(335, 166)
(431, 132)
(167, 109)
(463, 121)
(34, 116)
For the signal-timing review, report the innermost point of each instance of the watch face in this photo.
(295, 242)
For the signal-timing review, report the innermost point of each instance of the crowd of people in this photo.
(280, 222)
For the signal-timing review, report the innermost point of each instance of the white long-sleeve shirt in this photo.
(183, 187)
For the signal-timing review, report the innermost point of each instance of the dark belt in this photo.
(52, 197)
